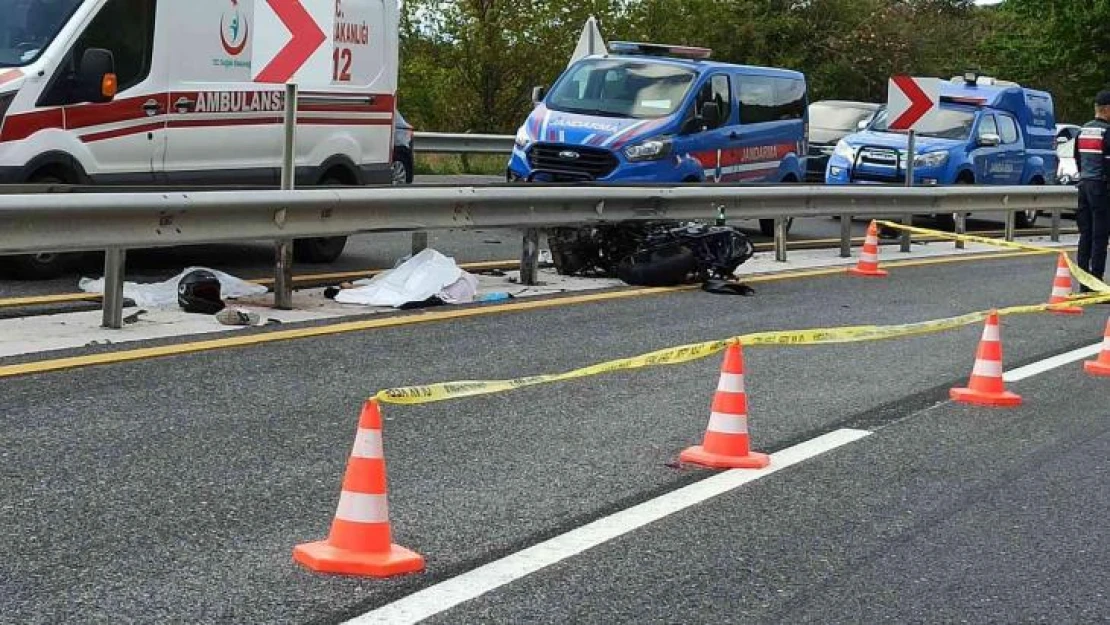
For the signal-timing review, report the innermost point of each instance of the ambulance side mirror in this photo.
(96, 76)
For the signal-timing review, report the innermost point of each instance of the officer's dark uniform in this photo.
(1092, 154)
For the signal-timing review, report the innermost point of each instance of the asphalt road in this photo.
(949, 515)
(174, 489)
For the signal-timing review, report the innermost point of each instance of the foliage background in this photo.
(469, 65)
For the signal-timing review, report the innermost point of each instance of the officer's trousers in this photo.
(1094, 226)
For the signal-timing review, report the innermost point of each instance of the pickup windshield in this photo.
(28, 26)
(621, 88)
(949, 123)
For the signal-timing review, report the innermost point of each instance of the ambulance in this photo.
(160, 93)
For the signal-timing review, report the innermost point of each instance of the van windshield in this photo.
(28, 26)
(949, 123)
(621, 88)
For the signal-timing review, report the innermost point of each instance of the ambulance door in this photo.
(352, 115)
(223, 128)
(123, 140)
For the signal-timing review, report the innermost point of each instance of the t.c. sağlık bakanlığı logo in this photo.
(233, 29)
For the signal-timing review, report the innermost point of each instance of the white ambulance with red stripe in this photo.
(159, 93)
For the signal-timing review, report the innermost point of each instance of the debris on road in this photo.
(164, 294)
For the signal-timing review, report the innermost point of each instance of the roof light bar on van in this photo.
(659, 49)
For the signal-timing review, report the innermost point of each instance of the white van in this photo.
(159, 92)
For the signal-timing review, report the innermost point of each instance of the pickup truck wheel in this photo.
(947, 222)
(44, 265)
(767, 226)
(1026, 219)
(321, 250)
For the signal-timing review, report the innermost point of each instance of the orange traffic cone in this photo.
(1061, 288)
(360, 542)
(868, 265)
(1101, 367)
(726, 444)
(986, 387)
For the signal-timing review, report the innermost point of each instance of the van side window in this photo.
(790, 97)
(717, 90)
(1009, 131)
(987, 126)
(770, 99)
(123, 27)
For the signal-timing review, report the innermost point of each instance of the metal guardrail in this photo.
(115, 222)
(449, 143)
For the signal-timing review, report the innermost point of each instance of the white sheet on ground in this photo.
(162, 294)
(427, 274)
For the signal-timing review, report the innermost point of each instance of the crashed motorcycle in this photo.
(653, 253)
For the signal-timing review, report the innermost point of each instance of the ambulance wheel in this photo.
(45, 265)
(767, 226)
(323, 250)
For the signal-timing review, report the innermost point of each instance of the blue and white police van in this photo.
(987, 131)
(652, 113)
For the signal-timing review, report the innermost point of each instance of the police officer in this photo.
(1092, 154)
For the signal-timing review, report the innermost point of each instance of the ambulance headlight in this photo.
(844, 151)
(932, 159)
(648, 150)
(522, 139)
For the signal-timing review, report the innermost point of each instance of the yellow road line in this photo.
(143, 353)
(36, 300)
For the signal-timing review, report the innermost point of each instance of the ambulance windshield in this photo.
(621, 88)
(28, 26)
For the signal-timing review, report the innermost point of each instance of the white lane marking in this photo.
(450, 593)
(1048, 364)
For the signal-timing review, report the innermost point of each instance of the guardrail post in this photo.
(530, 257)
(906, 234)
(283, 249)
(961, 228)
(1010, 218)
(114, 260)
(845, 236)
(419, 242)
(1056, 214)
(780, 239)
(907, 220)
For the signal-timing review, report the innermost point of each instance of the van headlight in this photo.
(648, 150)
(522, 139)
(844, 151)
(932, 159)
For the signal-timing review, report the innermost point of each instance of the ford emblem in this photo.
(568, 155)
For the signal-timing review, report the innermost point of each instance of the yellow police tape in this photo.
(443, 391)
(1082, 276)
(429, 393)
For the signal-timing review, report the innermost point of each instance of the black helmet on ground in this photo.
(199, 292)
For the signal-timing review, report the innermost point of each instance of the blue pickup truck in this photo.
(985, 132)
